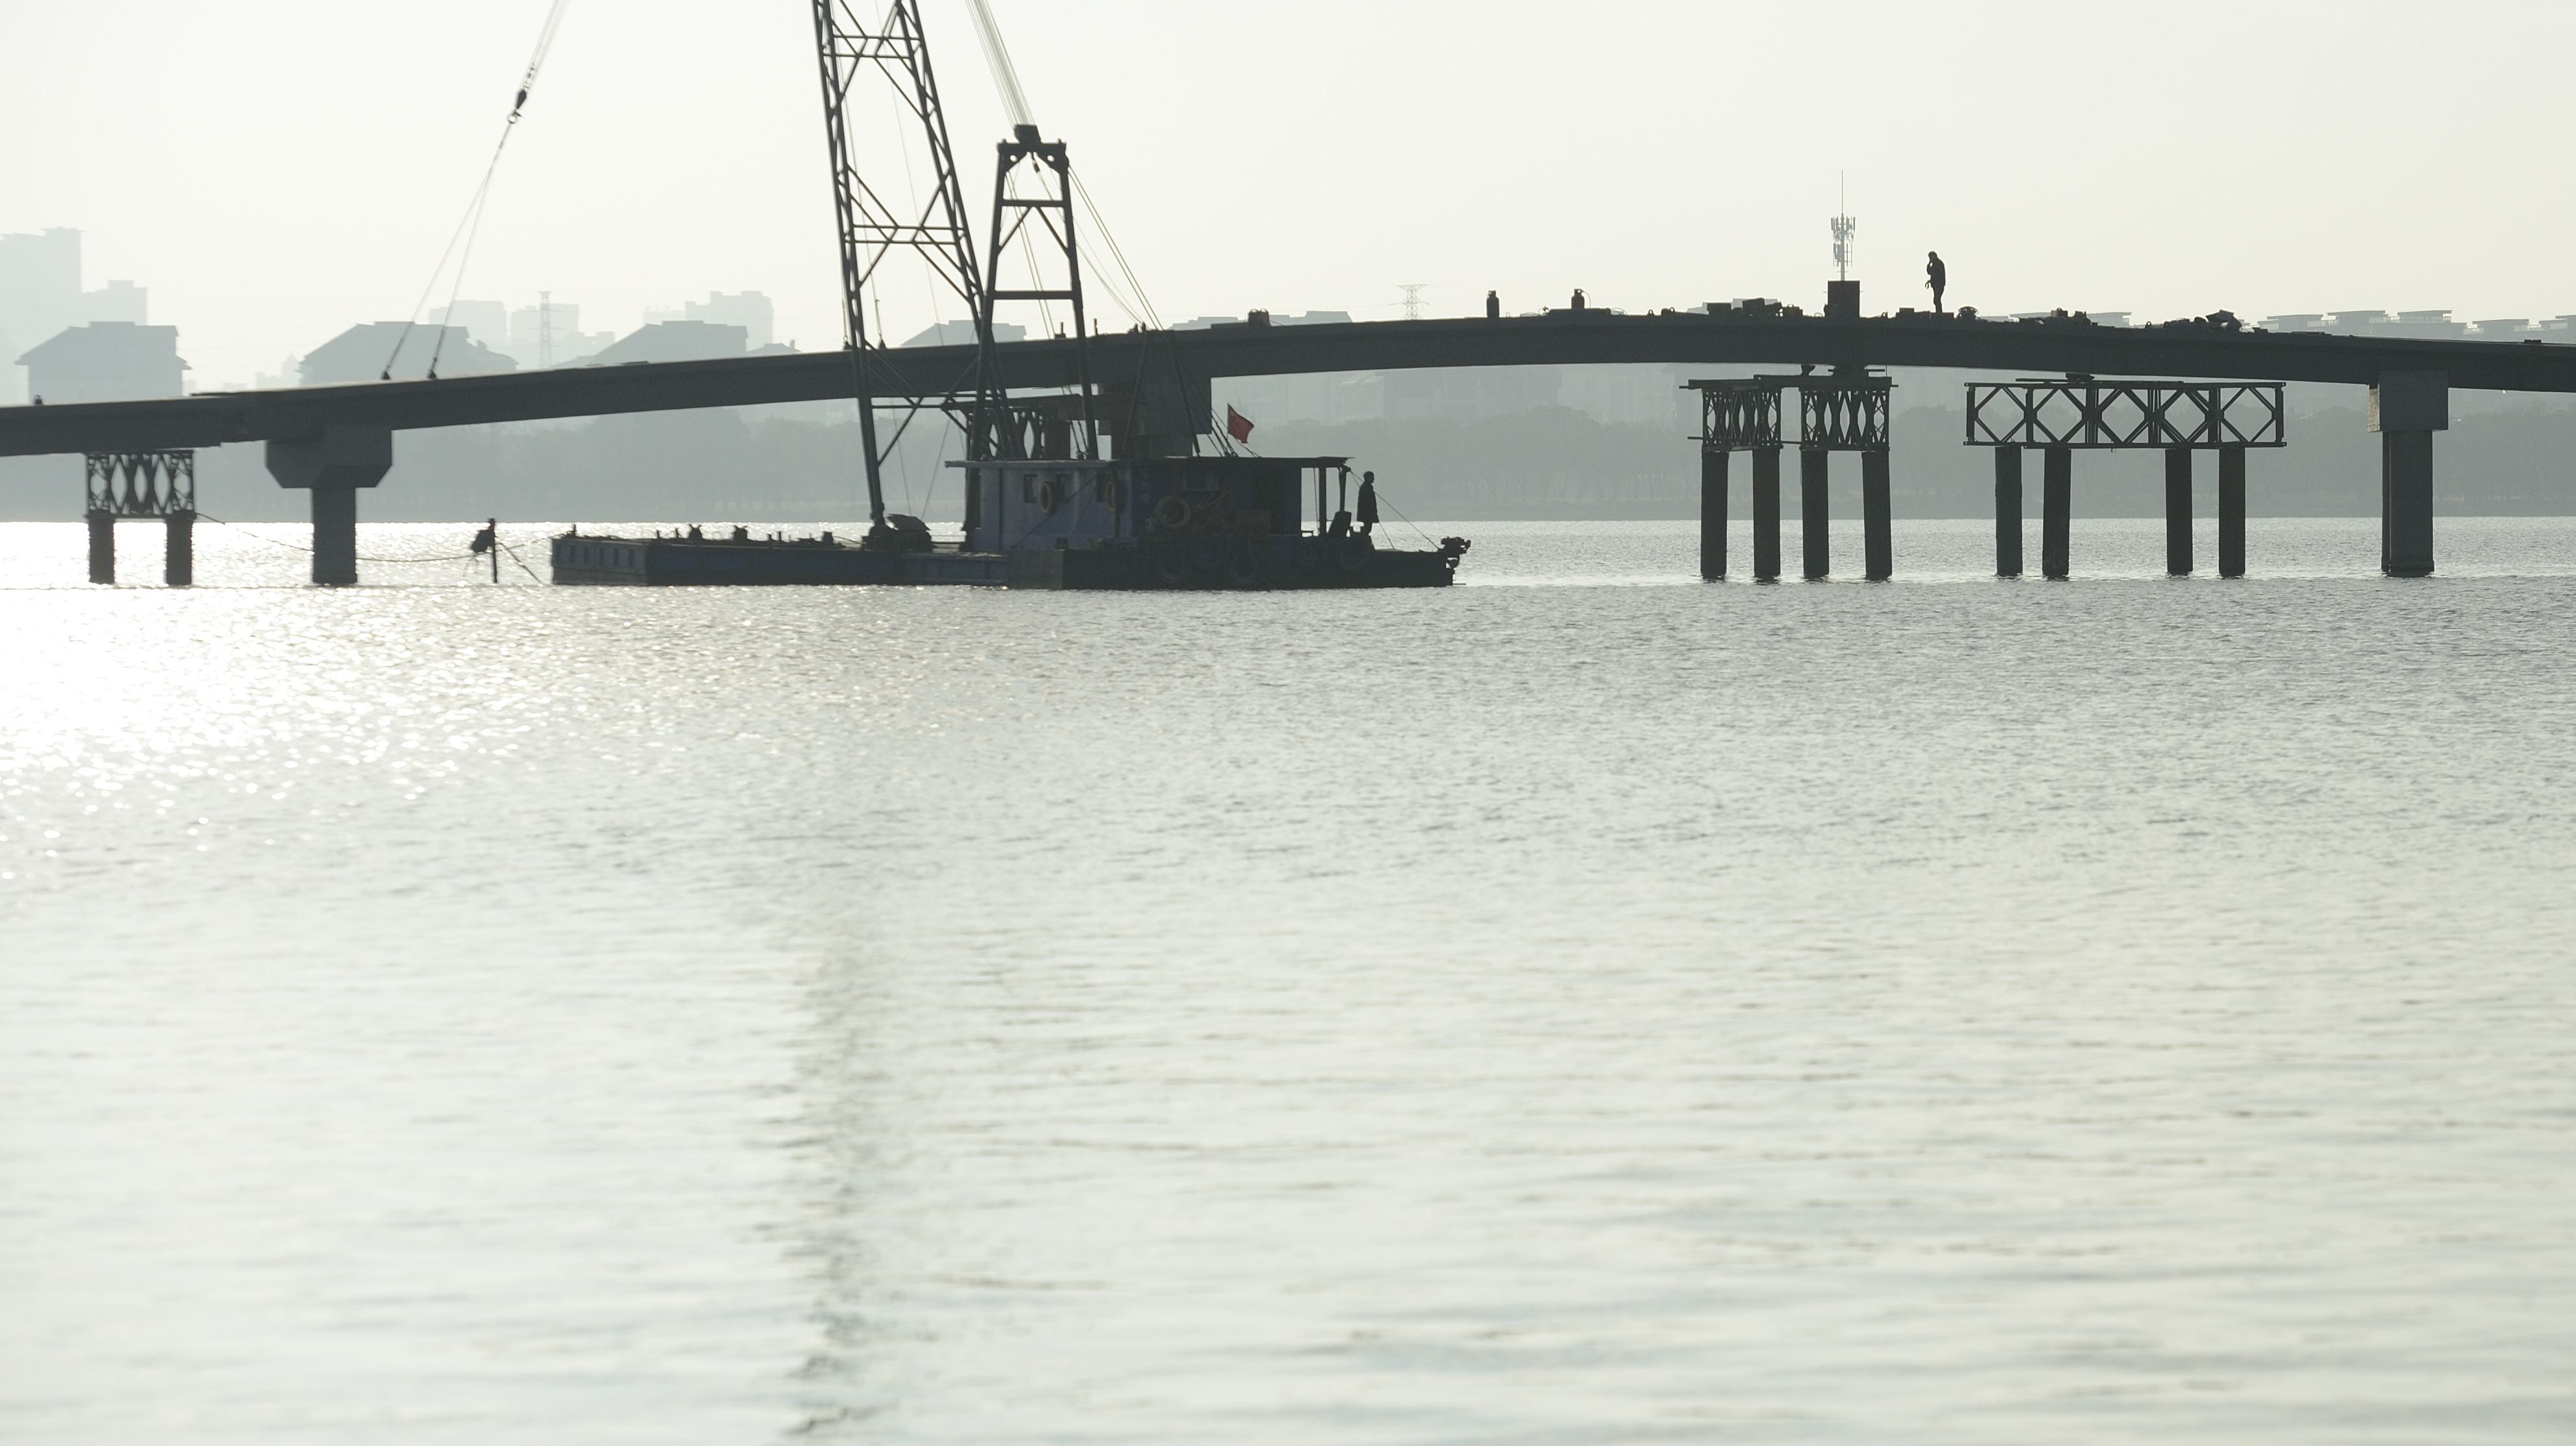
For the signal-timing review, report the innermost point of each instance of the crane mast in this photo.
(849, 45)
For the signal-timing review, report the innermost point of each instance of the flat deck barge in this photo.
(1151, 525)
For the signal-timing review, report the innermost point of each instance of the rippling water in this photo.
(1561, 1008)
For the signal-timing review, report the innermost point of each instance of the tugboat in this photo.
(1142, 524)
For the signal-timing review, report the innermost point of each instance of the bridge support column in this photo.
(1813, 513)
(2177, 512)
(1766, 514)
(1712, 515)
(2406, 504)
(102, 547)
(2056, 508)
(179, 549)
(1878, 527)
(335, 536)
(333, 466)
(2406, 409)
(2231, 512)
(2008, 512)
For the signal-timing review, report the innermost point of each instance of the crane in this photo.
(849, 44)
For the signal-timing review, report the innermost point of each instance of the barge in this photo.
(1147, 524)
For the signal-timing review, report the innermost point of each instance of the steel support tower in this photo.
(849, 43)
(1005, 429)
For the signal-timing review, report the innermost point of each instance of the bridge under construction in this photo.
(2204, 384)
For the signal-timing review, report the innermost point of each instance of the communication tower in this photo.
(1843, 226)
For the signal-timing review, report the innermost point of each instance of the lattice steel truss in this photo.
(2087, 413)
(1842, 414)
(1738, 414)
(849, 44)
(142, 484)
(1052, 212)
(1835, 413)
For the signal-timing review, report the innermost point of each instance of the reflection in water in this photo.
(1994, 1011)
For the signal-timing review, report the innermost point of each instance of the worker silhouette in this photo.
(484, 539)
(1936, 276)
(1368, 503)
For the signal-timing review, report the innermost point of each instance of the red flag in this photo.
(1237, 425)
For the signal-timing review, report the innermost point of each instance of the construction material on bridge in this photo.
(2061, 416)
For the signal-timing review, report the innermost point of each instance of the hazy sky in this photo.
(277, 169)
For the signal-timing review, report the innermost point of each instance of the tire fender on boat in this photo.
(1172, 512)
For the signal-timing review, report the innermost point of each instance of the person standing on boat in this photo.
(1936, 276)
(1368, 503)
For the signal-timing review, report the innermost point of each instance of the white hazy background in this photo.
(277, 171)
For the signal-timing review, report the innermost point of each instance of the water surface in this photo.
(1580, 1005)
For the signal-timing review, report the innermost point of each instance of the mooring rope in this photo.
(244, 527)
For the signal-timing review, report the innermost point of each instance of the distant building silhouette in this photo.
(486, 321)
(40, 294)
(359, 354)
(550, 334)
(106, 361)
(962, 333)
(746, 309)
(667, 341)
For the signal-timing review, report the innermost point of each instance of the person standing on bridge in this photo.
(1936, 276)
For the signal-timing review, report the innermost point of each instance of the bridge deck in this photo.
(1563, 339)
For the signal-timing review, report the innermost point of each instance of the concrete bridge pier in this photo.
(1878, 528)
(2177, 512)
(2231, 512)
(1813, 513)
(2008, 512)
(179, 549)
(102, 547)
(2056, 508)
(333, 466)
(2406, 409)
(1766, 514)
(1712, 516)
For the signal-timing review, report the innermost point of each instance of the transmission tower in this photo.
(850, 42)
(1413, 298)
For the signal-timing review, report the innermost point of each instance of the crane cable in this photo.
(1006, 79)
(470, 224)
